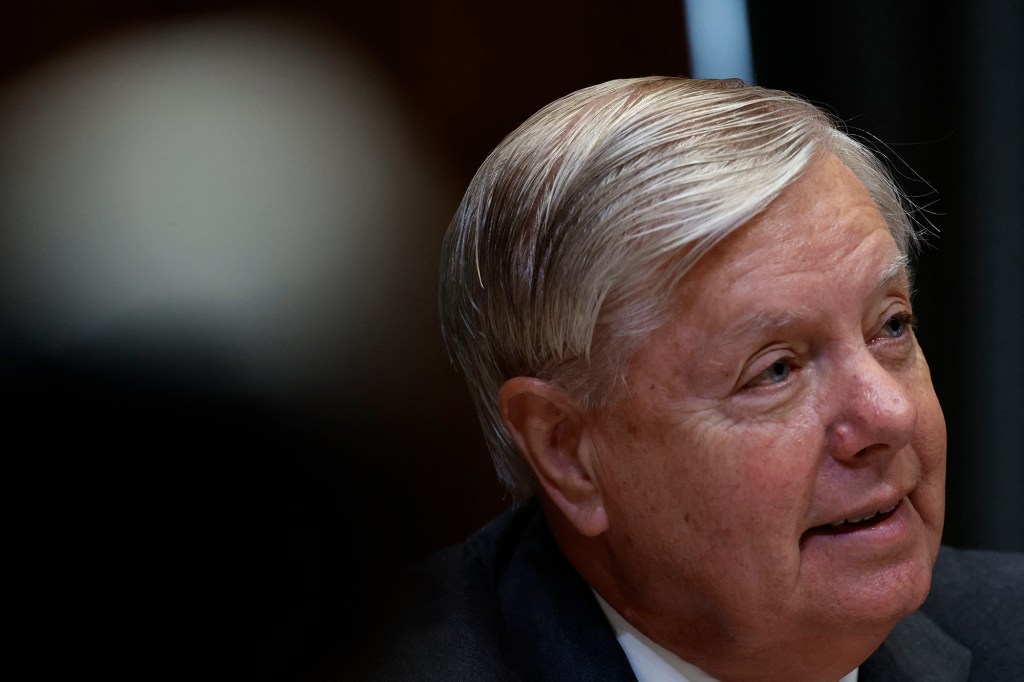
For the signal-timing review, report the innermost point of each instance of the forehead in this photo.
(812, 225)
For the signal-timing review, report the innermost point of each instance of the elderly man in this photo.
(684, 311)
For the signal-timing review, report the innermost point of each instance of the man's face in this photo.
(775, 468)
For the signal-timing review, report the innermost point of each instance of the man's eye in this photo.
(775, 373)
(898, 325)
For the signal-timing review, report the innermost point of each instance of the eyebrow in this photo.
(898, 268)
(763, 322)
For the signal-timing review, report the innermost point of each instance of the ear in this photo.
(548, 428)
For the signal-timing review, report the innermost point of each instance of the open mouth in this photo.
(845, 526)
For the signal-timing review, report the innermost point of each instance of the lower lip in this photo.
(889, 531)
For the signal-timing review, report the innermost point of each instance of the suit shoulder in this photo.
(972, 575)
(978, 598)
(443, 621)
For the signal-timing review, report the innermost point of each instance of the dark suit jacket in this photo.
(507, 605)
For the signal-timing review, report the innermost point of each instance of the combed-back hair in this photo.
(568, 245)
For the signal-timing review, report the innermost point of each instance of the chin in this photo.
(887, 598)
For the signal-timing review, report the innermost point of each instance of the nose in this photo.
(876, 410)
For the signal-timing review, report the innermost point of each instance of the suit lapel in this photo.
(918, 649)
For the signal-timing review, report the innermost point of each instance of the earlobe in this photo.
(548, 428)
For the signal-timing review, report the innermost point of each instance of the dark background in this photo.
(168, 518)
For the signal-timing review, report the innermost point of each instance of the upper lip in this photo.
(864, 516)
(880, 505)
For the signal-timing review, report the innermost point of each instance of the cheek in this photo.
(930, 433)
(929, 444)
(713, 480)
(929, 439)
(754, 480)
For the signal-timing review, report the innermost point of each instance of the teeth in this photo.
(865, 518)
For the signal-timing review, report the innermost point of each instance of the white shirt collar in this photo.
(652, 662)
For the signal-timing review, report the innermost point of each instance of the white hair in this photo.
(575, 231)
